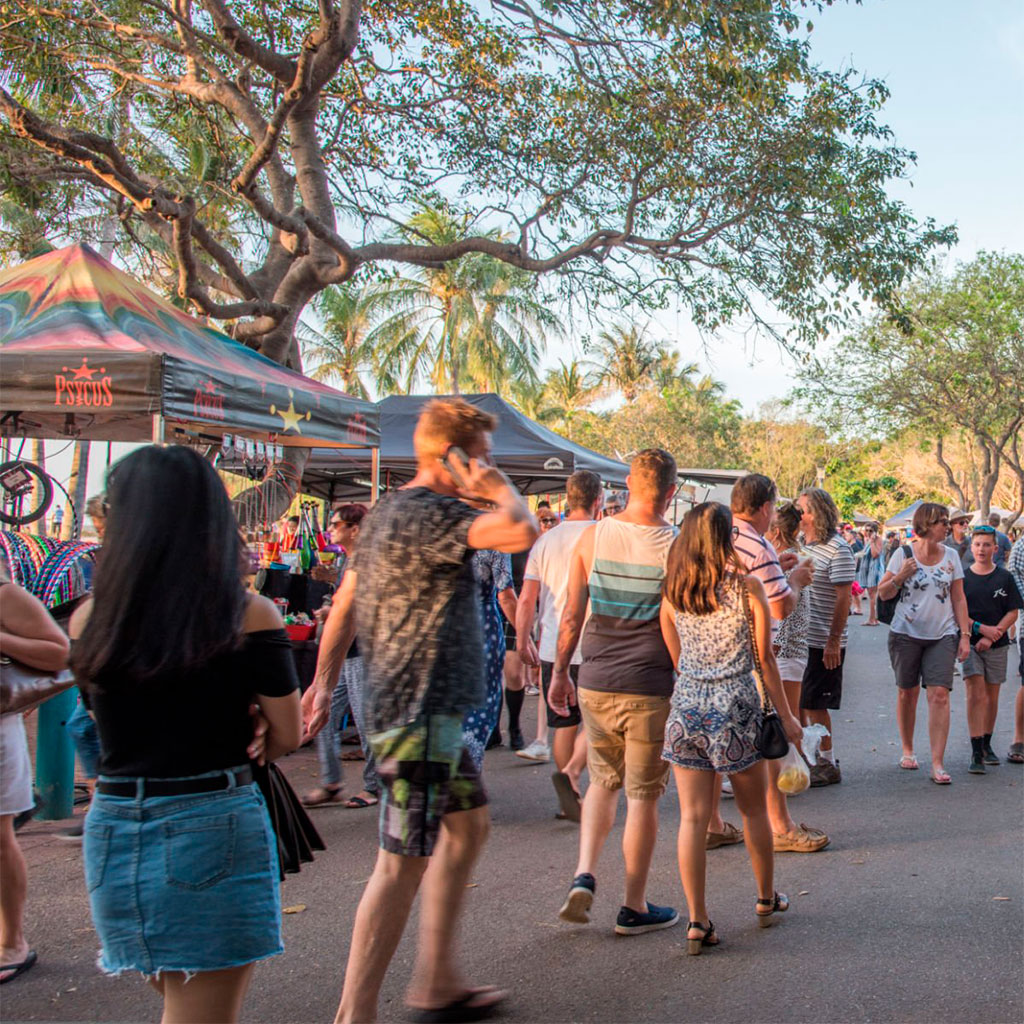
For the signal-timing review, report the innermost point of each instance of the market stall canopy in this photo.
(904, 518)
(861, 519)
(537, 460)
(88, 352)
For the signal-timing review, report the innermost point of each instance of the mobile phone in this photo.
(454, 471)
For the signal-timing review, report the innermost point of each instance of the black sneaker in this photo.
(73, 834)
(494, 740)
(576, 908)
(990, 756)
(977, 766)
(630, 922)
(515, 739)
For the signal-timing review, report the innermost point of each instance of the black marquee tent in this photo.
(537, 460)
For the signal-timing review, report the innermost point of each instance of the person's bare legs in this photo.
(380, 921)
(696, 790)
(991, 706)
(533, 673)
(749, 789)
(597, 817)
(1018, 716)
(638, 839)
(974, 692)
(563, 746)
(13, 887)
(906, 717)
(938, 724)
(778, 807)
(575, 765)
(872, 606)
(716, 823)
(208, 997)
(436, 980)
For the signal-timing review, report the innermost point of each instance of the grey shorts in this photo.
(922, 662)
(991, 664)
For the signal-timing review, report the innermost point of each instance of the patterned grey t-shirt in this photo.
(417, 609)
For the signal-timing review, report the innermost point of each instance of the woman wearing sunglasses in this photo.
(930, 631)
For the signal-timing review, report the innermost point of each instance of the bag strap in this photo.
(767, 707)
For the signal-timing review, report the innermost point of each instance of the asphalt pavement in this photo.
(912, 914)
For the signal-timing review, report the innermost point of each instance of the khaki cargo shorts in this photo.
(625, 734)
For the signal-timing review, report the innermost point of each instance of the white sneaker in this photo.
(532, 691)
(536, 751)
(727, 789)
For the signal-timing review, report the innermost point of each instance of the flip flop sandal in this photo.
(356, 802)
(568, 798)
(322, 796)
(353, 755)
(18, 968)
(909, 763)
(942, 779)
(464, 1009)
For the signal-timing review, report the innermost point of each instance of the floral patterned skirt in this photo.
(712, 725)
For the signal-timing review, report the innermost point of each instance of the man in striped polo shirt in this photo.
(753, 506)
(625, 684)
(834, 573)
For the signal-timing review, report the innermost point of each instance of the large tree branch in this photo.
(246, 46)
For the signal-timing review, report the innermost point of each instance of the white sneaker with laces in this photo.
(536, 751)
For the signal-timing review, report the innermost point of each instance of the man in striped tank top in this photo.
(625, 684)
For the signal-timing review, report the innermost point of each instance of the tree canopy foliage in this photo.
(688, 149)
(947, 365)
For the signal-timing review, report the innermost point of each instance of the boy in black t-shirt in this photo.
(992, 604)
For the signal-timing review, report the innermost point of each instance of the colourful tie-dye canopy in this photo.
(86, 351)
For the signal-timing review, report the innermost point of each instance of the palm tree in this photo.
(630, 362)
(570, 387)
(530, 398)
(668, 373)
(472, 324)
(344, 349)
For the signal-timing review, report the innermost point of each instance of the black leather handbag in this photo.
(770, 742)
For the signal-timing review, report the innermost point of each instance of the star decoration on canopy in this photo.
(289, 416)
(85, 371)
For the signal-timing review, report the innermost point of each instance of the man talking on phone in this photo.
(411, 594)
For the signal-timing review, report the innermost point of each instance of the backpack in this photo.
(885, 608)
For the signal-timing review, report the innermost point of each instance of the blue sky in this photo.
(955, 69)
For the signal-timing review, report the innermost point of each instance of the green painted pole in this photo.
(55, 757)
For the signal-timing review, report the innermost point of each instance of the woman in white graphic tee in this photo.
(930, 630)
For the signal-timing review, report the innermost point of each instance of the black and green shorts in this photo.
(425, 772)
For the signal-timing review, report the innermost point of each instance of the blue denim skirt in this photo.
(182, 883)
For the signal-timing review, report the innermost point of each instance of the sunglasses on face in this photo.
(547, 521)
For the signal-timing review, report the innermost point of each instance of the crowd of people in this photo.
(659, 651)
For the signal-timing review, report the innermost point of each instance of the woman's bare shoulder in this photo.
(261, 613)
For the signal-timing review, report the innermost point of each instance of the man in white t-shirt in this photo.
(544, 590)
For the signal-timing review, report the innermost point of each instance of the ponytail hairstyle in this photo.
(168, 591)
(700, 559)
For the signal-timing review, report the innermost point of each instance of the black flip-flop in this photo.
(19, 968)
(568, 798)
(463, 1010)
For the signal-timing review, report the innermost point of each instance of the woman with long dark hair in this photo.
(180, 859)
(712, 618)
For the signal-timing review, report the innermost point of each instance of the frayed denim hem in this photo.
(189, 972)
